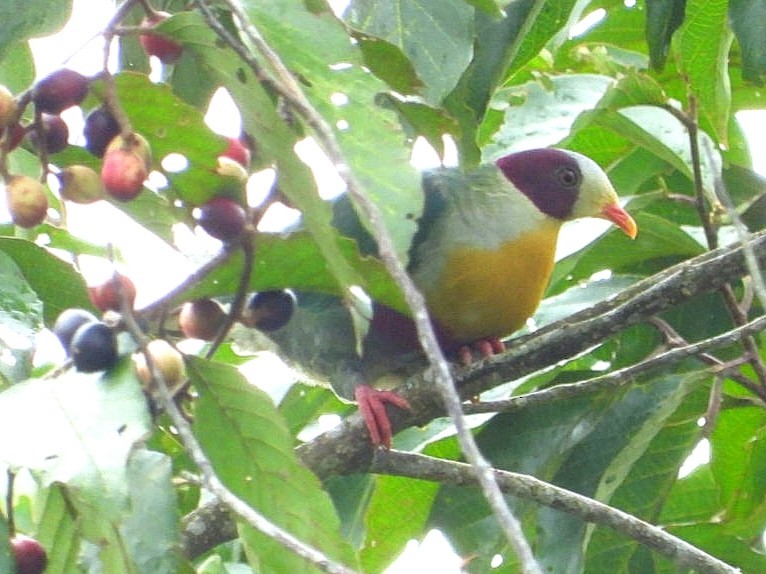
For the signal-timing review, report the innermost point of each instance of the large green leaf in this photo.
(663, 17)
(22, 19)
(747, 19)
(436, 35)
(59, 533)
(247, 441)
(703, 46)
(56, 282)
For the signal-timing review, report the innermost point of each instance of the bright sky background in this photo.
(155, 267)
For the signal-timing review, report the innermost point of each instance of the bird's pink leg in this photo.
(372, 406)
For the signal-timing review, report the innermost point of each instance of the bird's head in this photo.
(566, 185)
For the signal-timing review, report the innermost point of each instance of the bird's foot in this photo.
(372, 406)
(485, 348)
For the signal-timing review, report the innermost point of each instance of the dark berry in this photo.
(56, 134)
(30, 555)
(100, 129)
(67, 324)
(60, 90)
(94, 348)
(27, 201)
(108, 295)
(201, 319)
(269, 310)
(166, 50)
(223, 218)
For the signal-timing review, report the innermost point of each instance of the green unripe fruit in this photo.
(81, 184)
(27, 202)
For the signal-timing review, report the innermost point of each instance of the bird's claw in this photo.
(485, 347)
(372, 406)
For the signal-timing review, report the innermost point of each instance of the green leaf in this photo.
(747, 18)
(17, 67)
(663, 17)
(80, 433)
(436, 36)
(397, 512)
(703, 44)
(7, 563)
(23, 19)
(56, 283)
(58, 532)
(539, 114)
(21, 317)
(252, 452)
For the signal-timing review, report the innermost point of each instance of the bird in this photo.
(482, 256)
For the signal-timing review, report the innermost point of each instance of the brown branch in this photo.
(346, 450)
(683, 554)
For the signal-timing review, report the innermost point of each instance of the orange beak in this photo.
(621, 218)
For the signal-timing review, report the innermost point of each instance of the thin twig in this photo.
(209, 477)
(290, 90)
(443, 471)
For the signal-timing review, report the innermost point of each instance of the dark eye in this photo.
(567, 177)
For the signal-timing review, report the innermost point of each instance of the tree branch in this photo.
(683, 554)
(345, 450)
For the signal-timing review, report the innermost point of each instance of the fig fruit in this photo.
(56, 136)
(269, 310)
(123, 174)
(8, 107)
(67, 324)
(108, 295)
(29, 554)
(81, 184)
(27, 201)
(201, 319)
(223, 218)
(94, 348)
(60, 90)
(237, 151)
(166, 359)
(166, 50)
(100, 129)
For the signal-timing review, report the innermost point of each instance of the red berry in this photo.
(29, 554)
(108, 295)
(201, 319)
(269, 310)
(15, 134)
(123, 173)
(27, 201)
(56, 134)
(154, 45)
(60, 90)
(237, 151)
(223, 218)
(100, 129)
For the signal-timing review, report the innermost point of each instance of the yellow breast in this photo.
(491, 293)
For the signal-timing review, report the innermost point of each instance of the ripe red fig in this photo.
(237, 151)
(123, 174)
(60, 90)
(81, 184)
(135, 143)
(15, 133)
(269, 310)
(201, 319)
(56, 134)
(166, 50)
(108, 295)
(30, 555)
(166, 359)
(27, 201)
(8, 107)
(100, 129)
(223, 218)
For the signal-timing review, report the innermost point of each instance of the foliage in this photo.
(648, 90)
